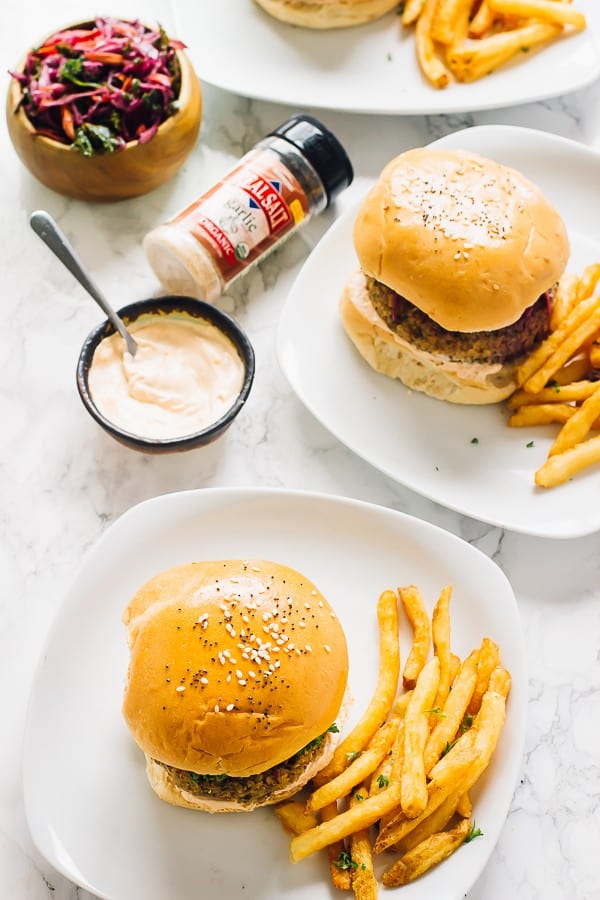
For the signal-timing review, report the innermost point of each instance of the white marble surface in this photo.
(63, 480)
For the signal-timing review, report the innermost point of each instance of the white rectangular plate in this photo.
(90, 809)
(426, 444)
(369, 68)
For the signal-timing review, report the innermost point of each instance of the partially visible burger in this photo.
(236, 681)
(459, 260)
(327, 13)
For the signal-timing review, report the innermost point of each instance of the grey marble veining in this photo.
(63, 481)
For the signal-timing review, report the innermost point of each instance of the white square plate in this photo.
(90, 809)
(426, 444)
(370, 68)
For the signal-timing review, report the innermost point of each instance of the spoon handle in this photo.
(47, 229)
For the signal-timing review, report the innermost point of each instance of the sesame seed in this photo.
(228, 679)
(320, 604)
(314, 593)
(239, 673)
(229, 707)
(457, 254)
(180, 688)
(307, 606)
(327, 648)
(302, 624)
(255, 568)
(217, 707)
(251, 673)
(204, 680)
(234, 580)
(242, 682)
(308, 648)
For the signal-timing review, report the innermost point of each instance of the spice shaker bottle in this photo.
(295, 172)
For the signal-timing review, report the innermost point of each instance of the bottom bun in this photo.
(433, 374)
(329, 13)
(163, 784)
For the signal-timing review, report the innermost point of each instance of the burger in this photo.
(459, 260)
(327, 13)
(236, 682)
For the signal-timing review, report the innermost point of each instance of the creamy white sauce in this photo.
(185, 375)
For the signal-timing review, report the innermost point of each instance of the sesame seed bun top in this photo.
(235, 666)
(470, 242)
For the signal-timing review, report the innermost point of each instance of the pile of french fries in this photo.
(400, 780)
(560, 380)
(468, 39)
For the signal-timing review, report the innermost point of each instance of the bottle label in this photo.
(242, 216)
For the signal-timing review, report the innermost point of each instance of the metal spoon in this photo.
(46, 228)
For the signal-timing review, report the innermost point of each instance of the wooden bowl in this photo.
(134, 170)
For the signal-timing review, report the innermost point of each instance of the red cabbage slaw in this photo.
(98, 87)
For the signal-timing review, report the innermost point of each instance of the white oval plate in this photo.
(426, 444)
(371, 68)
(89, 807)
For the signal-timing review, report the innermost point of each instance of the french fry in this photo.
(565, 298)
(397, 760)
(552, 11)
(440, 632)
(385, 691)
(293, 816)
(357, 771)
(450, 21)
(588, 281)
(559, 394)
(500, 681)
(412, 10)
(433, 823)
(427, 854)
(416, 730)
(559, 468)
(464, 807)
(455, 665)
(580, 324)
(400, 826)
(361, 816)
(448, 724)
(575, 369)
(489, 658)
(579, 425)
(594, 353)
(482, 21)
(541, 414)
(417, 614)
(472, 59)
(340, 877)
(431, 65)
(401, 704)
(364, 883)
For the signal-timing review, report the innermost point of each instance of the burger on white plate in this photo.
(459, 261)
(327, 13)
(236, 681)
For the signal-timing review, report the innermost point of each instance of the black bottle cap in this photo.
(323, 151)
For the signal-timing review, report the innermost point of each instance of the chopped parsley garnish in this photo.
(466, 723)
(447, 748)
(352, 755)
(382, 781)
(360, 797)
(474, 440)
(345, 861)
(333, 729)
(436, 711)
(474, 833)
(389, 57)
(530, 444)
